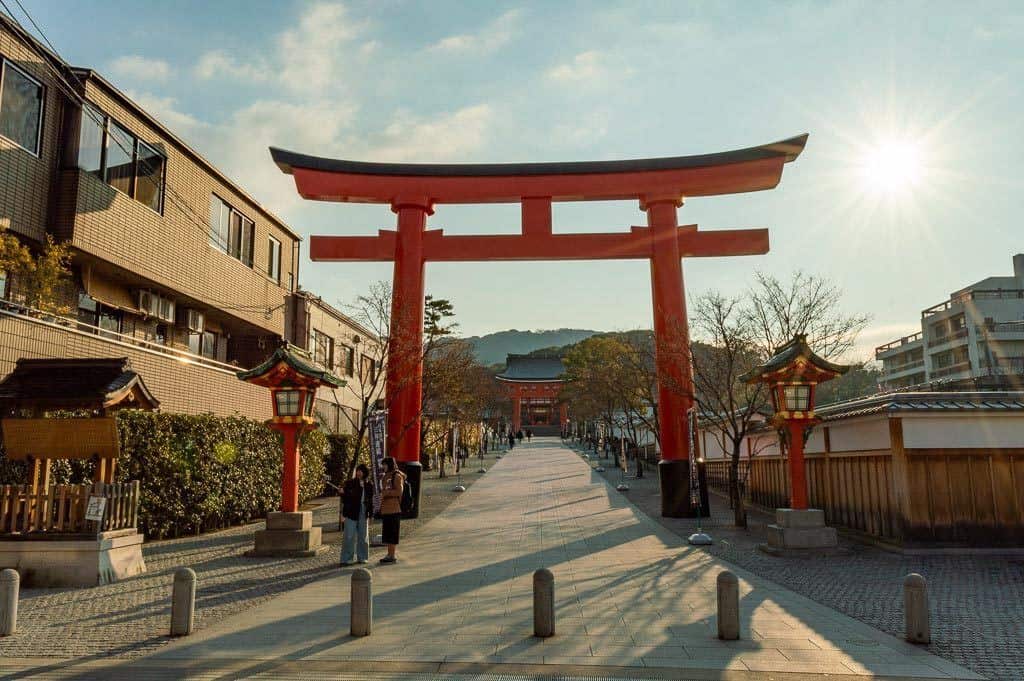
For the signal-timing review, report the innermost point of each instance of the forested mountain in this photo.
(493, 347)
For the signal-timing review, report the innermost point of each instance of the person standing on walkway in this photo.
(511, 440)
(391, 508)
(356, 507)
(529, 435)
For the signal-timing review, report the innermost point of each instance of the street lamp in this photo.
(293, 381)
(791, 376)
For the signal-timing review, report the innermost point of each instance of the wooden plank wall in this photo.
(952, 496)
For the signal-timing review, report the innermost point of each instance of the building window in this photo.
(3, 284)
(321, 347)
(90, 141)
(100, 318)
(111, 152)
(367, 370)
(230, 231)
(120, 170)
(274, 259)
(150, 172)
(21, 107)
(348, 360)
(195, 342)
(208, 347)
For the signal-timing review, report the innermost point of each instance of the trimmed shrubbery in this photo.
(197, 473)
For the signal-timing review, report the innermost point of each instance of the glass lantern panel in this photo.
(287, 402)
(310, 401)
(798, 397)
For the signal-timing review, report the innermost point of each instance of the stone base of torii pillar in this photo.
(800, 532)
(289, 535)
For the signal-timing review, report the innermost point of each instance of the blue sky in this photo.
(545, 81)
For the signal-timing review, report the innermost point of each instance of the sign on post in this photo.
(378, 444)
(691, 417)
(94, 511)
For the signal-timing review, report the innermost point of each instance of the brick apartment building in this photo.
(174, 265)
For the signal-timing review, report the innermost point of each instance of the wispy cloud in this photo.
(584, 67)
(308, 58)
(138, 68)
(489, 38)
(448, 136)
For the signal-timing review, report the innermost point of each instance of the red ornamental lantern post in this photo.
(791, 377)
(293, 381)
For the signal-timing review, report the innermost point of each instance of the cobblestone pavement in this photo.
(977, 601)
(631, 600)
(131, 618)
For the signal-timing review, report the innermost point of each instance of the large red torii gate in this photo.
(659, 184)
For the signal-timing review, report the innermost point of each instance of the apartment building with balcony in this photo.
(975, 338)
(346, 348)
(174, 265)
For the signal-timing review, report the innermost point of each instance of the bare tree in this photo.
(738, 334)
(806, 304)
(728, 405)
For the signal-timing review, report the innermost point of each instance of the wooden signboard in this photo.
(43, 438)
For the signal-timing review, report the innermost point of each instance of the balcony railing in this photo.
(957, 368)
(948, 338)
(1001, 327)
(889, 371)
(1005, 366)
(896, 344)
(17, 310)
(981, 294)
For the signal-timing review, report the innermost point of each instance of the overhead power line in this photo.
(88, 108)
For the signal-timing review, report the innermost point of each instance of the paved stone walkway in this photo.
(631, 596)
(131, 618)
(976, 600)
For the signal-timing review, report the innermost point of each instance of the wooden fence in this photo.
(916, 496)
(60, 509)
(853, 488)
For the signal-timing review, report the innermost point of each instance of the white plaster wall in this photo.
(816, 442)
(963, 431)
(870, 432)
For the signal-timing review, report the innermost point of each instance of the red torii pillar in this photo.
(660, 185)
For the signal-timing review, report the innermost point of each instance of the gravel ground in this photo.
(977, 601)
(131, 618)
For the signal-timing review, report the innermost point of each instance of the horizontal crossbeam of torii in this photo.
(660, 185)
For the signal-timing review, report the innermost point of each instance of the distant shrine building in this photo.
(533, 385)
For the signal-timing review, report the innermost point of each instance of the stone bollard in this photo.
(543, 603)
(362, 602)
(728, 606)
(915, 609)
(10, 583)
(183, 602)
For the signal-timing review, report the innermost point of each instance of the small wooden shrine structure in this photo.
(94, 523)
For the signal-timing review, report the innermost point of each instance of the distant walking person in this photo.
(519, 436)
(529, 435)
(511, 440)
(391, 508)
(356, 507)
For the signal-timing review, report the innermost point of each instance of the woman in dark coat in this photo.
(357, 508)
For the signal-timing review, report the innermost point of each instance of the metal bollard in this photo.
(728, 606)
(915, 609)
(183, 602)
(543, 603)
(362, 602)
(10, 583)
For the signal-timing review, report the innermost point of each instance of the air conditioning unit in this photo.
(153, 305)
(192, 320)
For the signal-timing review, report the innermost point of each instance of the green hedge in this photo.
(198, 473)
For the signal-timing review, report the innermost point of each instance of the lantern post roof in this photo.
(795, 358)
(298, 361)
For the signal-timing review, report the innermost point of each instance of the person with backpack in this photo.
(393, 493)
(356, 507)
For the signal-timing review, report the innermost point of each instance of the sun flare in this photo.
(894, 167)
